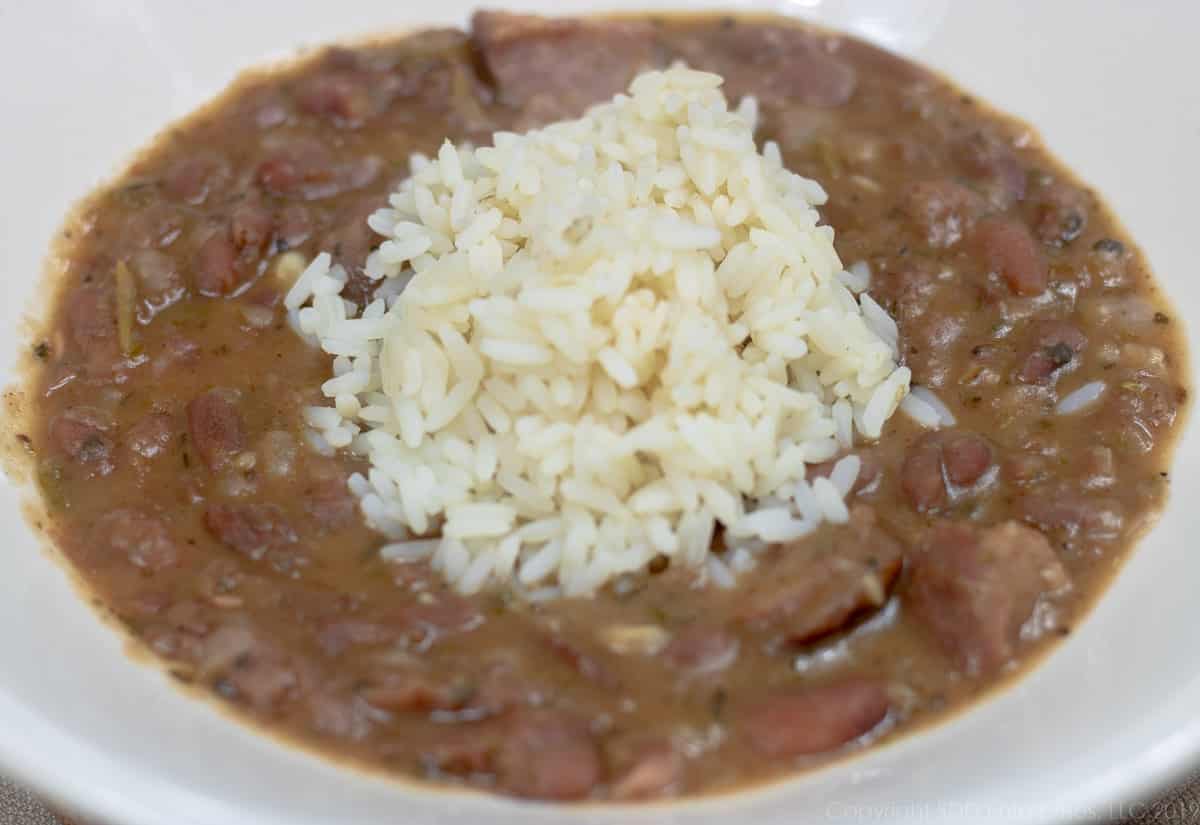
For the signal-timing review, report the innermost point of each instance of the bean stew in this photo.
(163, 422)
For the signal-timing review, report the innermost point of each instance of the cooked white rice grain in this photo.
(830, 500)
(1081, 399)
(409, 551)
(924, 407)
(845, 473)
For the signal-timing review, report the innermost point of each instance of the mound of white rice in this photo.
(594, 342)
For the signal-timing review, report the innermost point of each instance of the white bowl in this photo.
(1108, 718)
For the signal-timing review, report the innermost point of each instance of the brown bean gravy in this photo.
(171, 454)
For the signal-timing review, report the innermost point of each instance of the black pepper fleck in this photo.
(719, 699)
(1060, 354)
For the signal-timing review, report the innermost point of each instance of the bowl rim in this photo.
(1148, 772)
